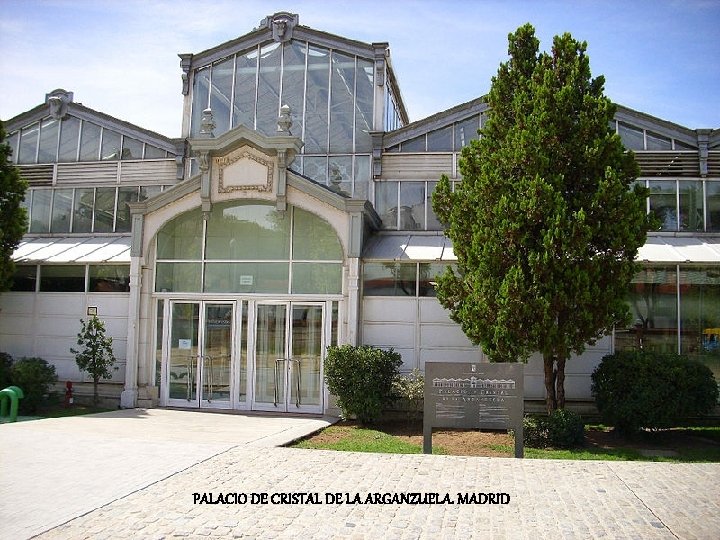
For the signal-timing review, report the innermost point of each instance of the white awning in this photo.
(672, 249)
(657, 249)
(409, 247)
(74, 249)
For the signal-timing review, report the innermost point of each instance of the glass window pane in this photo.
(111, 147)
(389, 279)
(440, 140)
(691, 205)
(12, 141)
(293, 86)
(414, 145)
(316, 101)
(653, 306)
(104, 210)
(109, 278)
(712, 193)
(131, 148)
(658, 142)
(123, 220)
(25, 278)
(386, 203)
(315, 167)
(317, 278)
(466, 131)
(244, 103)
(83, 210)
(159, 340)
(221, 94)
(153, 152)
(62, 210)
(700, 312)
(89, 142)
(28, 143)
(181, 237)
(632, 137)
(149, 191)
(49, 133)
(62, 278)
(177, 277)
(69, 135)
(341, 102)
(362, 177)
(664, 204)
(268, 99)
(364, 105)
(428, 278)
(247, 232)
(412, 205)
(201, 92)
(250, 277)
(340, 174)
(314, 238)
(433, 222)
(40, 211)
(684, 146)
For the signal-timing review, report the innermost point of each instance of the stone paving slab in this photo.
(548, 499)
(54, 470)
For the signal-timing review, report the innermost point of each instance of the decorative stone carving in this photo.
(207, 124)
(243, 171)
(58, 101)
(185, 63)
(282, 25)
(284, 121)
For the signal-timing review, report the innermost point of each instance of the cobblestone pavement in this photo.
(134, 474)
(548, 499)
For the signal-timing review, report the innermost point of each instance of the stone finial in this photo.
(58, 101)
(282, 25)
(284, 121)
(207, 124)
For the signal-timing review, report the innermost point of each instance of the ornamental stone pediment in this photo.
(243, 170)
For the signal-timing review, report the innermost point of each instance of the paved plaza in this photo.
(152, 473)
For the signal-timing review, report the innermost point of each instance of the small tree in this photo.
(546, 222)
(13, 218)
(96, 356)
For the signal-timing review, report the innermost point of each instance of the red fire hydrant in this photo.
(68, 394)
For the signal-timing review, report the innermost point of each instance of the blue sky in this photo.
(661, 57)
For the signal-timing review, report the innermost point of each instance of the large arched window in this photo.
(249, 247)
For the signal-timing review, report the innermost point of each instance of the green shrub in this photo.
(6, 362)
(561, 429)
(641, 389)
(411, 389)
(34, 376)
(362, 379)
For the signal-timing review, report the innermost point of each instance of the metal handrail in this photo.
(210, 376)
(275, 402)
(190, 378)
(297, 379)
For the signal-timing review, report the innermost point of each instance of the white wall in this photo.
(46, 325)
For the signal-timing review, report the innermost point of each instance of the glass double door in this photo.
(201, 354)
(289, 345)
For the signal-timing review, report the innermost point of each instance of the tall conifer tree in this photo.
(545, 223)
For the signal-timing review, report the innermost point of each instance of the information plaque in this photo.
(473, 396)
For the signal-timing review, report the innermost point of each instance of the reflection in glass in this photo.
(465, 131)
(122, 220)
(111, 147)
(221, 94)
(315, 167)
(700, 315)
(244, 102)
(712, 197)
(632, 137)
(109, 278)
(104, 210)
(62, 278)
(663, 203)
(270, 355)
(364, 96)
(386, 197)
(433, 222)
(131, 148)
(183, 363)
(316, 101)
(249, 277)
(293, 84)
(362, 177)
(69, 135)
(28, 143)
(654, 310)
(305, 383)
(62, 210)
(340, 174)
(83, 210)
(24, 278)
(691, 205)
(389, 279)
(48, 148)
(159, 341)
(427, 280)
(314, 238)
(658, 142)
(201, 95)
(317, 278)
(412, 205)
(268, 98)
(181, 237)
(40, 211)
(177, 277)
(440, 140)
(217, 354)
(341, 103)
(242, 388)
(89, 141)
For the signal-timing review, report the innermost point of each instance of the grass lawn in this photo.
(698, 444)
(56, 411)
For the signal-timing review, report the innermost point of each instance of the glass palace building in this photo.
(293, 214)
